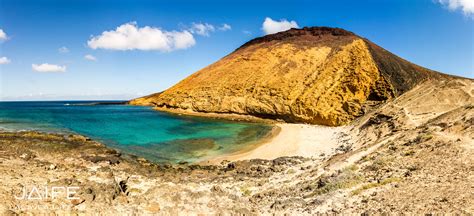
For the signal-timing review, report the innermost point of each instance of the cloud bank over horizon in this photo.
(271, 26)
(45, 68)
(4, 60)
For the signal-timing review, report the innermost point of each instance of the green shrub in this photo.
(375, 184)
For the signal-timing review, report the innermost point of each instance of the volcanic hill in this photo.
(315, 75)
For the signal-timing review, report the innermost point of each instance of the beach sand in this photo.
(291, 140)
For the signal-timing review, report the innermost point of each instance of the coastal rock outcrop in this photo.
(315, 75)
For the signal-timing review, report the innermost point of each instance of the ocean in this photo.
(156, 136)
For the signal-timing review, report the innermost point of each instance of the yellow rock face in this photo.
(314, 79)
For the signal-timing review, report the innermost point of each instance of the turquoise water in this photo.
(157, 136)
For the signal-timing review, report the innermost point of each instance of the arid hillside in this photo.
(312, 75)
(411, 155)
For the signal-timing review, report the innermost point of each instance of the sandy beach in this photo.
(291, 140)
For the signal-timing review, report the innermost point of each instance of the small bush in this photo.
(375, 184)
(409, 153)
(291, 171)
(346, 178)
(376, 165)
(245, 191)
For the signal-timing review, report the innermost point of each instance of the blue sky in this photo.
(437, 34)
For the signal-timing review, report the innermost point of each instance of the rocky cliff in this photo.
(315, 75)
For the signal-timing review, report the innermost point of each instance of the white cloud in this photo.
(48, 68)
(270, 26)
(3, 35)
(4, 60)
(247, 32)
(467, 6)
(90, 57)
(203, 29)
(225, 27)
(63, 49)
(130, 37)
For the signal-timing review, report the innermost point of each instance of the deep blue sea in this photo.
(157, 136)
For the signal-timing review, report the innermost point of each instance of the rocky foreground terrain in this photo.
(411, 155)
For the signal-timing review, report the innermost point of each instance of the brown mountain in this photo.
(314, 75)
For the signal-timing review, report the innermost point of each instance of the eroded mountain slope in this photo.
(312, 75)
